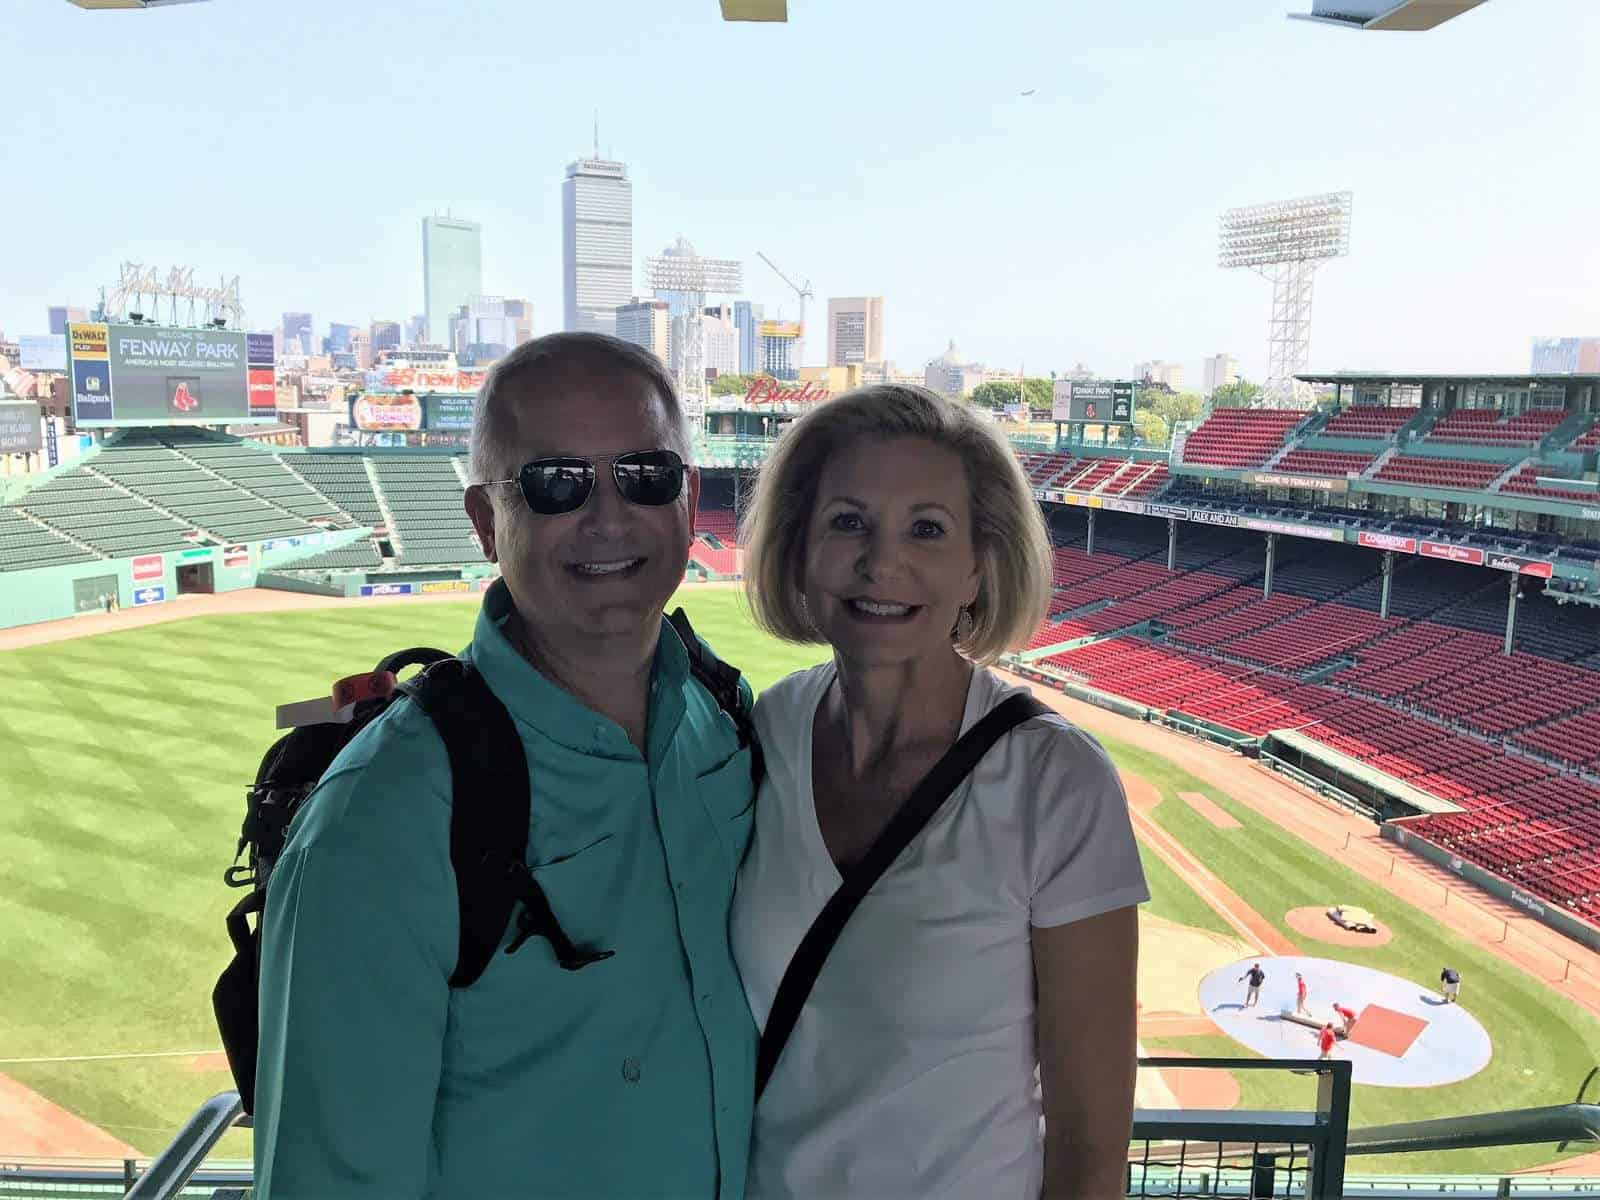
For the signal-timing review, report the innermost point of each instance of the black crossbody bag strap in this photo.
(913, 817)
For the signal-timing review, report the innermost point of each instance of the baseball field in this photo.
(126, 746)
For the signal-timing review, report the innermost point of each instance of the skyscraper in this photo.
(338, 339)
(452, 271)
(855, 330)
(489, 327)
(596, 243)
(61, 315)
(746, 317)
(297, 333)
(646, 323)
(385, 336)
(1220, 370)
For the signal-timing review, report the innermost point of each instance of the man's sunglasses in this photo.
(552, 486)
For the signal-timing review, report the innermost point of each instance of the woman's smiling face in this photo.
(890, 559)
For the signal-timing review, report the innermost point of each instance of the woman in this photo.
(896, 528)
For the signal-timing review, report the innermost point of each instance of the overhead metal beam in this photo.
(755, 10)
(1386, 15)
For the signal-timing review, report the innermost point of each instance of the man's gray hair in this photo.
(552, 352)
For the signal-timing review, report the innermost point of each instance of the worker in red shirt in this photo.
(1347, 1015)
(1325, 1041)
(1300, 994)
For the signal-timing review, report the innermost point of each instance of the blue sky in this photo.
(874, 146)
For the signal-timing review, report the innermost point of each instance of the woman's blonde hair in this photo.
(1008, 530)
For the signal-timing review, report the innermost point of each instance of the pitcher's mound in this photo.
(1315, 923)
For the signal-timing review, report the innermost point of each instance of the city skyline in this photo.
(1015, 256)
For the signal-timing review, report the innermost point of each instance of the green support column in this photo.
(1511, 610)
(1272, 558)
(1388, 583)
(1172, 543)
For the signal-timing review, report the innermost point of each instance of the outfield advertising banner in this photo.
(1522, 566)
(149, 566)
(386, 589)
(20, 428)
(1470, 555)
(449, 413)
(163, 375)
(1388, 541)
(1310, 483)
(42, 351)
(379, 412)
(149, 595)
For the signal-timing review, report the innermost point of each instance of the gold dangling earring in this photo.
(805, 613)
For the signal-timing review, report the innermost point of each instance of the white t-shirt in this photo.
(911, 1069)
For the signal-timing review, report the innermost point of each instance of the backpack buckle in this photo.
(537, 918)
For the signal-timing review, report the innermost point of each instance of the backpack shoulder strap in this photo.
(722, 681)
(912, 817)
(490, 804)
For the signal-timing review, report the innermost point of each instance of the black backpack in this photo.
(488, 823)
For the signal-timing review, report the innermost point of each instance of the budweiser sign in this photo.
(1389, 541)
(770, 391)
(1444, 550)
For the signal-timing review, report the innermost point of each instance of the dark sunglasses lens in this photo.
(651, 477)
(557, 485)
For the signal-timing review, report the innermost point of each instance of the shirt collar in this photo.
(550, 709)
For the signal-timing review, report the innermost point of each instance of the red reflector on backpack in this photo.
(353, 689)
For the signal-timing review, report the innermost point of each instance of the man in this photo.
(1300, 995)
(1450, 984)
(629, 1076)
(1347, 1018)
(1325, 1041)
(1256, 977)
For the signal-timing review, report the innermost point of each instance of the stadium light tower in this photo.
(1286, 242)
(682, 270)
(1413, 16)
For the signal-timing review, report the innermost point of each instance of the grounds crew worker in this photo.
(633, 1075)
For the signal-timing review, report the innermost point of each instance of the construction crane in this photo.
(805, 293)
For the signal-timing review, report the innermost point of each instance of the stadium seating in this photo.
(1589, 441)
(264, 475)
(1490, 427)
(719, 560)
(362, 555)
(1439, 472)
(85, 506)
(424, 494)
(1323, 462)
(1571, 741)
(720, 523)
(169, 480)
(343, 479)
(1368, 421)
(1526, 483)
(25, 544)
(1142, 482)
(1239, 437)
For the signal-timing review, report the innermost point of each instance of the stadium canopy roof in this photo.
(755, 10)
(1386, 15)
(1379, 377)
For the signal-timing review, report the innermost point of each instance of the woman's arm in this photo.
(1086, 973)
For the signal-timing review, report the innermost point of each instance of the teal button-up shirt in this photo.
(630, 1077)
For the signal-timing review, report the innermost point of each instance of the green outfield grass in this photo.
(126, 758)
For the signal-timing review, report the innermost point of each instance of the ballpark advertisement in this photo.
(1092, 401)
(161, 375)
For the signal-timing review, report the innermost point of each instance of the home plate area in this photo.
(1404, 1034)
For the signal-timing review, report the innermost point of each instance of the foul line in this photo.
(66, 1058)
(1192, 873)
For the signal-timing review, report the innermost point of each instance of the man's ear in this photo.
(480, 510)
(691, 483)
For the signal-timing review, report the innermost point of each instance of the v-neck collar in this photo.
(822, 858)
